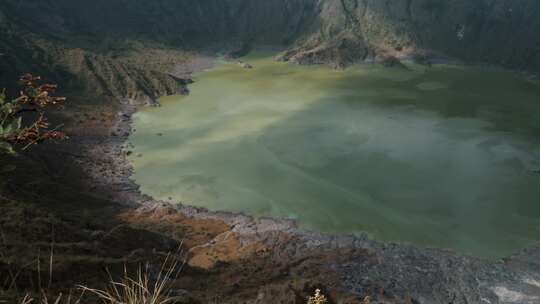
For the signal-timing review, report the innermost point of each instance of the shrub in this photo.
(22, 120)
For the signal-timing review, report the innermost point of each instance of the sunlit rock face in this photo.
(500, 32)
(339, 32)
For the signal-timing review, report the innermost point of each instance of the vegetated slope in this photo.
(86, 43)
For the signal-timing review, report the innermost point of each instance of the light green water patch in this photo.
(439, 157)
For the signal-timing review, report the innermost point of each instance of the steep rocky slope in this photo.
(88, 75)
(125, 70)
(83, 42)
(136, 49)
(131, 49)
(487, 31)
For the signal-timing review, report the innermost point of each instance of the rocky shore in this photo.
(348, 268)
(106, 54)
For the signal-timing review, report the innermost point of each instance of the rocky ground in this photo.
(75, 202)
(343, 265)
(230, 257)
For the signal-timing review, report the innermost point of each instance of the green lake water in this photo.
(439, 157)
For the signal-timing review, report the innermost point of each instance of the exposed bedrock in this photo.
(487, 31)
(104, 47)
(144, 49)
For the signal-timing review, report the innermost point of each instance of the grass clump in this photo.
(148, 285)
(45, 299)
(141, 289)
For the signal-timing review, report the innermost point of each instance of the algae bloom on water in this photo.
(440, 157)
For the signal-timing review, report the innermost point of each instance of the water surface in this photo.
(439, 157)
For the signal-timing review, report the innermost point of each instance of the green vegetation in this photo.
(22, 120)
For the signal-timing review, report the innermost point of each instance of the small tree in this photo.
(17, 126)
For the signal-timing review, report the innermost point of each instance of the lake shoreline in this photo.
(349, 258)
(224, 149)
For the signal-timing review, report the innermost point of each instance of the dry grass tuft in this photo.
(142, 289)
(150, 285)
(45, 299)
